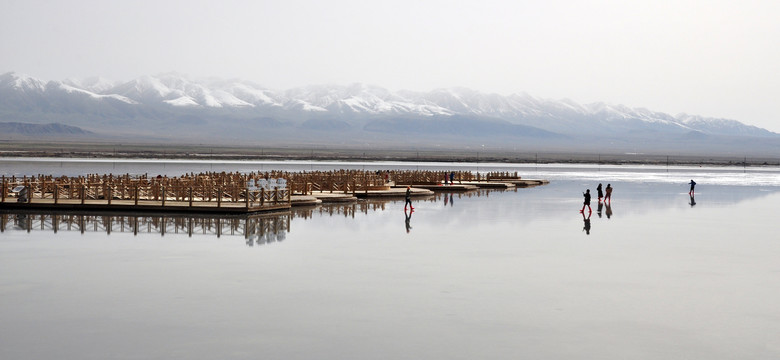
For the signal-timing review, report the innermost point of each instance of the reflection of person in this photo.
(609, 209)
(598, 209)
(586, 228)
(693, 184)
(599, 192)
(408, 217)
(408, 197)
(450, 199)
(586, 194)
(693, 201)
(446, 199)
(21, 221)
(609, 193)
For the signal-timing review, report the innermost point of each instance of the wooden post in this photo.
(219, 197)
(247, 198)
(2, 191)
(110, 195)
(136, 194)
(262, 196)
(163, 195)
(190, 196)
(56, 193)
(83, 190)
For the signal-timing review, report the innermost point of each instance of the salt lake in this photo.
(487, 274)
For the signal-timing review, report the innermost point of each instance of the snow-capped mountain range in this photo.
(151, 104)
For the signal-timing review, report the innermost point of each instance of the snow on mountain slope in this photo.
(227, 99)
(143, 89)
(182, 101)
(724, 126)
(96, 84)
(177, 90)
(303, 105)
(251, 95)
(71, 89)
(21, 82)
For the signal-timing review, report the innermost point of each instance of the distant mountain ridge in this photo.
(172, 105)
(40, 129)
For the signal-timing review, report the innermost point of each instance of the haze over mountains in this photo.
(172, 108)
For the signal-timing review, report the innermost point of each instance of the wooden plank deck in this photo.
(333, 197)
(304, 200)
(394, 192)
(446, 188)
(523, 182)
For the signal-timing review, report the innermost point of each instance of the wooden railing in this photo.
(214, 188)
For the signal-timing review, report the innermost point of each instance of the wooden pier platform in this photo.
(304, 200)
(490, 184)
(333, 197)
(522, 182)
(445, 188)
(235, 193)
(394, 192)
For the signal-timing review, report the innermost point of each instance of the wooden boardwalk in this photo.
(445, 188)
(235, 193)
(522, 182)
(462, 186)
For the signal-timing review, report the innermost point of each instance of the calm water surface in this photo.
(488, 274)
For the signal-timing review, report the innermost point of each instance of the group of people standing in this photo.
(604, 197)
(451, 176)
(601, 195)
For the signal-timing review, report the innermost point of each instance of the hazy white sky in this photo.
(711, 58)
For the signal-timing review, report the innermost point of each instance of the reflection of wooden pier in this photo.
(235, 192)
(257, 228)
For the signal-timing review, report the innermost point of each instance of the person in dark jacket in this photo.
(586, 194)
(693, 184)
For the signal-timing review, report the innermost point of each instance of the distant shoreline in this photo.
(303, 153)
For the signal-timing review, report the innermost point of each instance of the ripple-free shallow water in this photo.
(489, 274)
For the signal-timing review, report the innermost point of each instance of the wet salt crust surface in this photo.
(491, 274)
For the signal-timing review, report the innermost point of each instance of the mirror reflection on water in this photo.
(520, 273)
